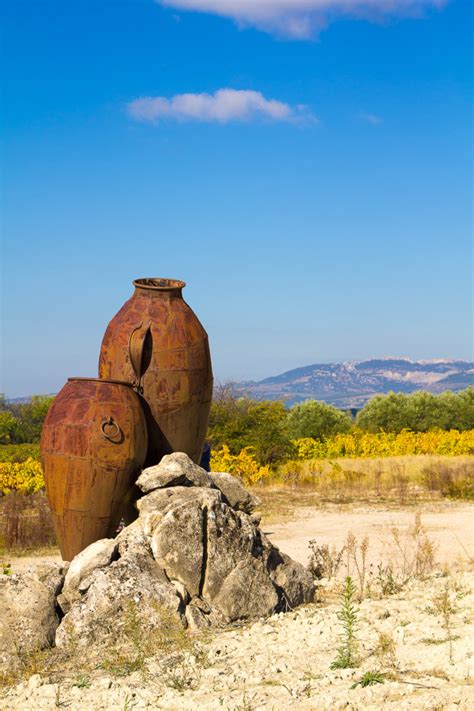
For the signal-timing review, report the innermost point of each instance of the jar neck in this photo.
(159, 288)
(158, 294)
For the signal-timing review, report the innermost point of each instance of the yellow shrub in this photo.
(366, 444)
(26, 477)
(243, 465)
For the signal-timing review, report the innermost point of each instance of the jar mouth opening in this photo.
(102, 380)
(159, 283)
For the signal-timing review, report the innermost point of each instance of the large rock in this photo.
(175, 469)
(193, 550)
(164, 500)
(292, 578)
(28, 618)
(178, 545)
(235, 494)
(98, 555)
(133, 582)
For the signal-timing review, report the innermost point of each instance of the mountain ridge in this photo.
(352, 383)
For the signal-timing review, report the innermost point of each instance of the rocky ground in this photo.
(284, 662)
(413, 625)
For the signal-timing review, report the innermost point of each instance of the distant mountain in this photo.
(351, 384)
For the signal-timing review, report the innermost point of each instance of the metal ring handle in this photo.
(109, 422)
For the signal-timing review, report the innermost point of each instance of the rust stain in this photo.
(175, 379)
(90, 473)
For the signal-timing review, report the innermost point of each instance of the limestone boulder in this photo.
(133, 586)
(98, 555)
(178, 544)
(28, 619)
(293, 579)
(163, 500)
(175, 469)
(234, 493)
(195, 550)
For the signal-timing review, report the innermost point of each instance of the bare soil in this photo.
(284, 662)
(449, 524)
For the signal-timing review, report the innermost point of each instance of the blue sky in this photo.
(319, 209)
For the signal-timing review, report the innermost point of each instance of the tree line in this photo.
(22, 422)
(270, 427)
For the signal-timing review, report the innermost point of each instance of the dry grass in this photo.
(409, 554)
(25, 524)
(403, 480)
(178, 655)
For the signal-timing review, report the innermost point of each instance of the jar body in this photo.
(156, 342)
(93, 446)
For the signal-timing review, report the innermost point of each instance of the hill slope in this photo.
(352, 383)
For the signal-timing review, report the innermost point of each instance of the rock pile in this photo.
(195, 549)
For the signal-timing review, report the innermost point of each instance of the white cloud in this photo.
(302, 18)
(223, 106)
(370, 118)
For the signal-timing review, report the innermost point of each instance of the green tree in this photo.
(243, 422)
(29, 418)
(317, 419)
(420, 412)
(7, 426)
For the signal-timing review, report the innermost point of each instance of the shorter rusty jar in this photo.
(93, 445)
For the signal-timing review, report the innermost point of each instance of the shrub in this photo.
(7, 427)
(240, 422)
(317, 420)
(243, 465)
(25, 477)
(365, 444)
(419, 412)
(19, 452)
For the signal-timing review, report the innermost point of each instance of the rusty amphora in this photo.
(93, 445)
(156, 342)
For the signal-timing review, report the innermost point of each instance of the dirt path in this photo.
(449, 525)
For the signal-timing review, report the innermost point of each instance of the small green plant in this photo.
(369, 679)
(385, 650)
(6, 568)
(83, 682)
(387, 580)
(347, 615)
(129, 703)
(445, 606)
(325, 561)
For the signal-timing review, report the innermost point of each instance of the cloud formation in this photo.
(368, 117)
(223, 106)
(301, 19)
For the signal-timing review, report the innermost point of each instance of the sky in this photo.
(304, 165)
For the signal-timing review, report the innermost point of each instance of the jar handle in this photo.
(136, 347)
(116, 434)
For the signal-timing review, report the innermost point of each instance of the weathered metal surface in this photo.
(93, 445)
(157, 342)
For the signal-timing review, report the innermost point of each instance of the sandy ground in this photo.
(284, 662)
(449, 525)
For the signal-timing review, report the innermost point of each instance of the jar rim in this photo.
(101, 380)
(159, 283)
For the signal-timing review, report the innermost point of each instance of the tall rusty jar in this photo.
(93, 445)
(156, 342)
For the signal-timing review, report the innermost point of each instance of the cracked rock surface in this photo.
(190, 550)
